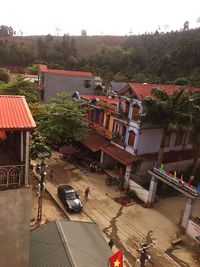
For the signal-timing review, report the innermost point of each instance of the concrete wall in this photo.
(193, 230)
(57, 83)
(150, 139)
(141, 193)
(15, 212)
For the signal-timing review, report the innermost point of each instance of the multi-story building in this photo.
(53, 81)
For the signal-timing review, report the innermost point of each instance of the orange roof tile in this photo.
(43, 68)
(15, 113)
(142, 89)
(100, 97)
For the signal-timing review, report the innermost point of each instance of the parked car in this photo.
(70, 199)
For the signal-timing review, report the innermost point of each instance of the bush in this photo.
(4, 76)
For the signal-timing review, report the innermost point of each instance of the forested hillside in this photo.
(155, 58)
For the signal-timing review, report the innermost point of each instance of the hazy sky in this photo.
(98, 17)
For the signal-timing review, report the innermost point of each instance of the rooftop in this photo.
(15, 113)
(44, 68)
(64, 243)
(143, 90)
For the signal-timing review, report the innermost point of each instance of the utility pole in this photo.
(41, 187)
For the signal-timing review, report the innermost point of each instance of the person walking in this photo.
(87, 191)
(111, 243)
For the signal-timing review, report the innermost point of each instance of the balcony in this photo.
(122, 116)
(12, 175)
(119, 140)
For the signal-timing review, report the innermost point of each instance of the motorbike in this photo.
(111, 181)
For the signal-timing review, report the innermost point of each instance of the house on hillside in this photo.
(113, 88)
(16, 123)
(64, 243)
(53, 81)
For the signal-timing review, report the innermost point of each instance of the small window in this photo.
(131, 138)
(127, 107)
(135, 112)
(179, 139)
(87, 83)
(107, 122)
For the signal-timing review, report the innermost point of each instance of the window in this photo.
(135, 112)
(167, 140)
(179, 139)
(131, 138)
(107, 122)
(127, 107)
(87, 83)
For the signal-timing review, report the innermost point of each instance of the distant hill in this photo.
(158, 57)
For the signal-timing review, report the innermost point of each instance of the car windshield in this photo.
(71, 195)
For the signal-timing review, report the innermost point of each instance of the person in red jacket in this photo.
(87, 191)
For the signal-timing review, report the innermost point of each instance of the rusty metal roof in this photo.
(119, 154)
(15, 113)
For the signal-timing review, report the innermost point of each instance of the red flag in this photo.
(116, 260)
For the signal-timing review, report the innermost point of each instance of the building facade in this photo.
(52, 82)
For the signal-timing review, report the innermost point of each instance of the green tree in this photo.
(4, 76)
(182, 81)
(63, 119)
(195, 129)
(168, 111)
(33, 69)
(20, 86)
(38, 147)
(6, 31)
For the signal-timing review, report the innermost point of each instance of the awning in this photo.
(67, 150)
(94, 142)
(119, 154)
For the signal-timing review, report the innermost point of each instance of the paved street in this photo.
(124, 224)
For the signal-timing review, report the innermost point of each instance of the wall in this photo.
(139, 190)
(149, 141)
(15, 212)
(57, 83)
(193, 230)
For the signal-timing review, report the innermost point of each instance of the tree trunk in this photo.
(161, 150)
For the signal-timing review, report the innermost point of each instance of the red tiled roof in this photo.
(15, 113)
(142, 89)
(100, 97)
(43, 68)
(119, 154)
(94, 142)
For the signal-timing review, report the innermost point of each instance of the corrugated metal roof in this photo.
(15, 113)
(43, 68)
(47, 248)
(116, 86)
(86, 244)
(119, 154)
(65, 243)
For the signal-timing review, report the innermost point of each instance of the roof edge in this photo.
(65, 243)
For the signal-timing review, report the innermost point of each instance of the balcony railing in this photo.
(12, 175)
(119, 140)
(122, 116)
